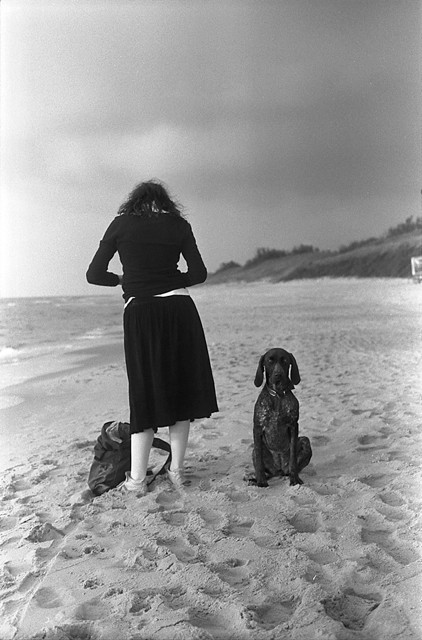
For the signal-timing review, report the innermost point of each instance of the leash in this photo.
(161, 444)
(119, 431)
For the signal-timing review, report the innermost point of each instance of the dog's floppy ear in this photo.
(294, 371)
(259, 376)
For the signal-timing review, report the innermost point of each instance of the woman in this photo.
(167, 362)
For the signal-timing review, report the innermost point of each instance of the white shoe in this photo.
(176, 478)
(131, 485)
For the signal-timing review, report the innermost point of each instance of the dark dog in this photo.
(278, 450)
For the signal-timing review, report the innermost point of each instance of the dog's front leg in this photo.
(293, 472)
(260, 475)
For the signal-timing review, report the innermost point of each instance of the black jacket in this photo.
(149, 249)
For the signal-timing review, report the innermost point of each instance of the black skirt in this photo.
(167, 363)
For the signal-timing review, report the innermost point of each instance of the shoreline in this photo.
(207, 284)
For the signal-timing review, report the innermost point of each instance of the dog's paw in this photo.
(253, 482)
(249, 478)
(295, 480)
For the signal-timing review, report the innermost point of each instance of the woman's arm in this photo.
(197, 271)
(98, 269)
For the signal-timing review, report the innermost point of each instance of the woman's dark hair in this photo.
(150, 199)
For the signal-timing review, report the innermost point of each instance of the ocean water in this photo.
(32, 326)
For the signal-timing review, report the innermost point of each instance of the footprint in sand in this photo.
(19, 484)
(325, 490)
(210, 436)
(238, 529)
(140, 602)
(239, 496)
(370, 447)
(323, 557)
(7, 523)
(303, 499)
(305, 522)
(166, 501)
(351, 609)
(113, 591)
(393, 513)
(42, 475)
(378, 481)
(208, 456)
(234, 571)
(142, 558)
(92, 583)
(181, 550)
(93, 549)
(408, 458)
(90, 610)
(72, 631)
(72, 551)
(7, 577)
(391, 498)
(269, 542)
(386, 431)
(268, 616)
(370, 439)
(175, 597)
(47, 598)
(213, 519)
(401, 553)
(44, 532)
(320, 441)
(207, 427)
(175, 518)
(210, 625)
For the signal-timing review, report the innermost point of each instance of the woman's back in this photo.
(149, 248)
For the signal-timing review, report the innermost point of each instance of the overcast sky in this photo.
(275, 122)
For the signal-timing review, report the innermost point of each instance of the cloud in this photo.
(284, 97)
(296, 120)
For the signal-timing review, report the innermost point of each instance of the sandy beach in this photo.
(338, 558)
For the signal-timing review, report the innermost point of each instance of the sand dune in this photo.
(384, 257)
(338, 558)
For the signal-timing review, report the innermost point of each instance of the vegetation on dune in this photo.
(408, 226)
(347, 260)
(225, 266)
(264, 253)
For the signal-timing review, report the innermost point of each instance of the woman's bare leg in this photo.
(179, 436)
(140, 447)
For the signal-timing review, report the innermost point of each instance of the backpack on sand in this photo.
(112, 457)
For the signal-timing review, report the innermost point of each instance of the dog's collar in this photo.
(274, 394)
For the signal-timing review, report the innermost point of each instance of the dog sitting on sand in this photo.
(278, 450)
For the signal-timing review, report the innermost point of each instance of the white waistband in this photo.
(173, 292)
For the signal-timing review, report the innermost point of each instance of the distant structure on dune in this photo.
(416, 267)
